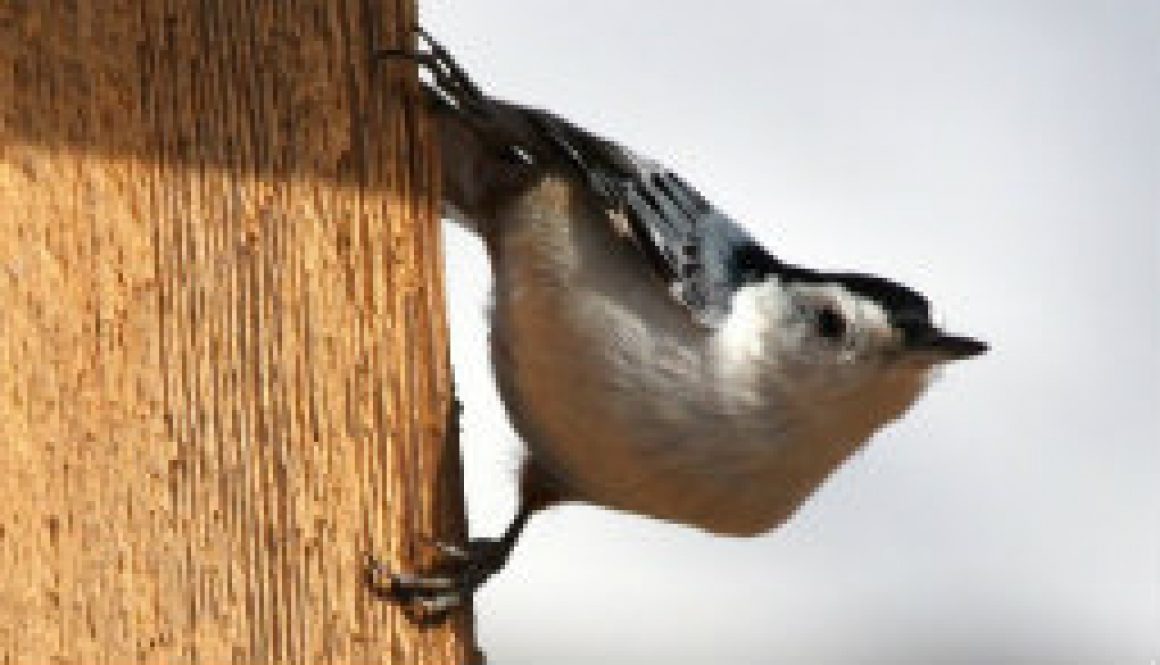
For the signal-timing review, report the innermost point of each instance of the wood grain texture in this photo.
(223, 349)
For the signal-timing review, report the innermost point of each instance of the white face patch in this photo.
(779, 332)
(866, 324)
(744, 335)
(772, 323)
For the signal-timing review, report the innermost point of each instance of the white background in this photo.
(1003, 157)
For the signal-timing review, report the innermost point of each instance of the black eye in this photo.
(830, 323)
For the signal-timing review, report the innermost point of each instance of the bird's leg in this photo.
(457, 576)
(462, 570)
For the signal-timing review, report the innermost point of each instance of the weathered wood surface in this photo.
(223, 366)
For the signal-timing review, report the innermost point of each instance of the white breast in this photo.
(665, 419)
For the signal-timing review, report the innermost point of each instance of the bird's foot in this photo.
(454, 579)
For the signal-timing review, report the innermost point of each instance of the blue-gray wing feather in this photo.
(691, 246)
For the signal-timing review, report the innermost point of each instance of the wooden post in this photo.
(223, 365)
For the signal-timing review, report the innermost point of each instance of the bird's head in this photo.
(851, 349)
(853, 319)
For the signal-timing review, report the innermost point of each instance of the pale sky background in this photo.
(1002, 156)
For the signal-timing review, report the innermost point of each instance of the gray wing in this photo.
(691, 245)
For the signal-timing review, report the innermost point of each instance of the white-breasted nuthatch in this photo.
(652, 355)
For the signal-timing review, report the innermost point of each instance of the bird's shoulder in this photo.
(698, 253)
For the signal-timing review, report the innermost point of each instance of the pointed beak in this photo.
(947, 347)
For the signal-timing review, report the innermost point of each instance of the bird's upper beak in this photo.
(944, 346)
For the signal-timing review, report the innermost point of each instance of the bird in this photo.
(652, 355)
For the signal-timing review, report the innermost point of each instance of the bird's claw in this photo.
(454, 552)
(454, 580)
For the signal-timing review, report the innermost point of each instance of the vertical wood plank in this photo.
(225, 372)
